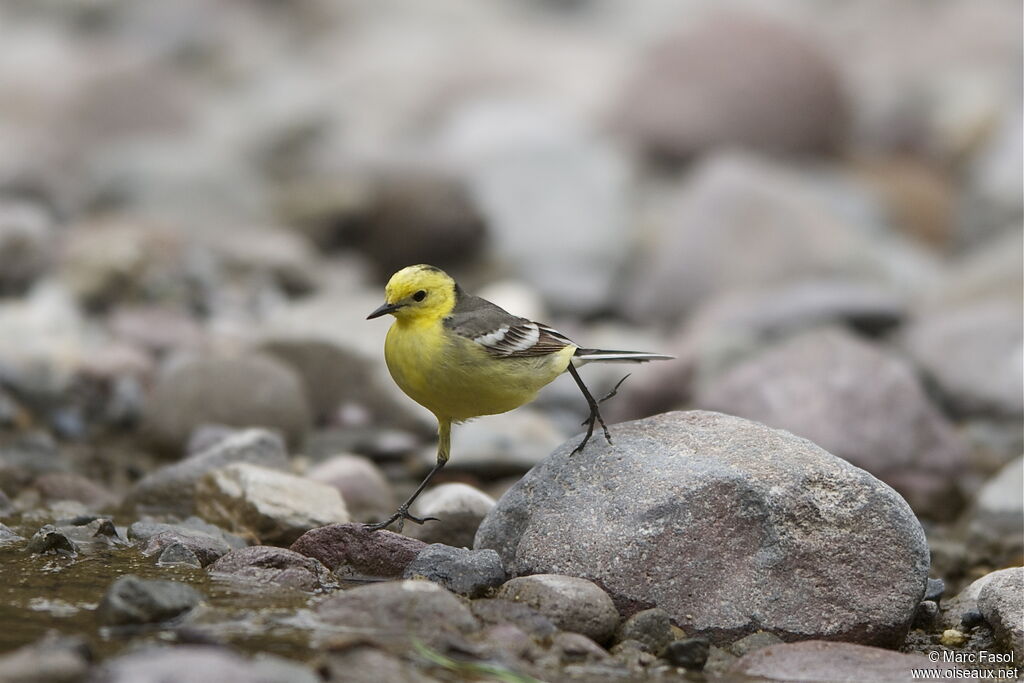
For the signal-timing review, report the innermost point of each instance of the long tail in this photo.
(583, 356)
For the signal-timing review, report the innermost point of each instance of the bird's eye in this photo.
(420, 295)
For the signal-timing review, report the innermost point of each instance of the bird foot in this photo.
(400, 516)
(595, 418)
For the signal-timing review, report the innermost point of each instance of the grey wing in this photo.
(502, 334)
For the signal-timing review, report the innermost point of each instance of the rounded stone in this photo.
(242, 391)
(728, 525)
(572, 603)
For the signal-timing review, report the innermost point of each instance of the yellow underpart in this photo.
(457, 379)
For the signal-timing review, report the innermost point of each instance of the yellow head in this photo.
(418, 292)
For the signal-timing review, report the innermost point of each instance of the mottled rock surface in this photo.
(825, 661)
(352, 550)
(274, 566)
(1001, 602)
(467, 572)
(131, 600)
(727, 525)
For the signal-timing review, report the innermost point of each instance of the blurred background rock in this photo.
(816, 206)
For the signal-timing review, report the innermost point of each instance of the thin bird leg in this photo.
(444, 438)
(595, 413)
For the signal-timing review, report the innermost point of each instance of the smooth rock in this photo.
(27, 241)
(816, 660)
(267, 504)
(956, 610)
(650, 628)
(781, 92)
(177, 554)
(201, 664)
(637, 517)
(472, 573)
(996, 522)
(54, 486)
(812, 386)
(336, 379)
(131, 600)
(745, 223)
(171, 488)
(351, 550)
(1001, 601)
(974, 355)
(395, 611)
(141, 531)
(53, 658)
(460, 509)
(573, 604)
(362, 663)
(367, 494)
(274, 566)
(205, 547)
(499, 611)
(243, 391)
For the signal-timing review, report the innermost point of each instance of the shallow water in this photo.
(40, 593)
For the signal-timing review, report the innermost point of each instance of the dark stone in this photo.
(274, 566)
(350, 550)
(972, 618)
(131, 600)
(178, 554)
(472, 573)
(204, 547)
(650, 628)
(689, 653)
(935, 590)
(51, 539)
(926, 615)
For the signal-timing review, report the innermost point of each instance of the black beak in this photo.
(384, 310)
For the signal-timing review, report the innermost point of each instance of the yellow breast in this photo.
(456, 378)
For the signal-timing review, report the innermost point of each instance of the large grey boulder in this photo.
(729, 526)
(856, 401)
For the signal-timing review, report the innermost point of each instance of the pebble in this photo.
(499, 611)
(952, 638)
(460, 509)
(572, 604)
(205, 548)
(816, 660)
(222, 390)
(54, 658)
(131, 600)
(51, 539)
(350, 550)
(651, 629)
(279, 567)
(267, 504)
(367, 494)
(689, 653)
(177, 554)
(392, 612)
(1001, 601)
(201, 664)
(472, 573)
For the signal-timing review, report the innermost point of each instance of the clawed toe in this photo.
(400, 516)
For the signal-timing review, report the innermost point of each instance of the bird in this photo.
(461, 357)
